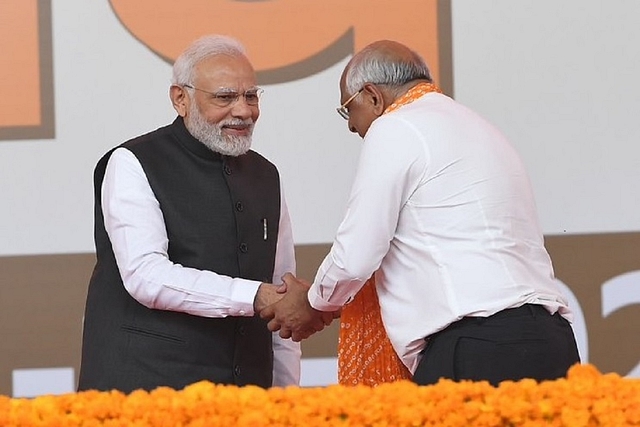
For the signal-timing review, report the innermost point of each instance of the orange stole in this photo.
(365, 354)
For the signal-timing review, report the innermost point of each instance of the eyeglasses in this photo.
(342, 110)
(226, 97)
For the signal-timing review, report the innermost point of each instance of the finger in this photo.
(316, 327)
(290, 280)
(285, 333)
(288, 277)
(274, 325)
(281, 289)
(327, 317)
(268, 312)
(298, 336)
(337, 313)
(319, 322)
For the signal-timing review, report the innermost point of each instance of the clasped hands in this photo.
(286, 308)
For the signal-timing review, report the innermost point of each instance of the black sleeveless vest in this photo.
(214, 209)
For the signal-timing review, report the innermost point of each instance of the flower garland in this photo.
(585, 398)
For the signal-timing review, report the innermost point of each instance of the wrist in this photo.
(262, 298)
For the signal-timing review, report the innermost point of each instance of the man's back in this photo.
(467, 232)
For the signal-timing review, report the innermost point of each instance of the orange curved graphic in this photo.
(286, 40)
(282, 33)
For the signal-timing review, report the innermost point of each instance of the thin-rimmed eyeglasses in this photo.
(342, 110)
(225, 97)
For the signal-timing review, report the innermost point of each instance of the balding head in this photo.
(384, 62)
(374, 78)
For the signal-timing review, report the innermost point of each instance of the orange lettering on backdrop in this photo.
(19, 64)
(281, 33)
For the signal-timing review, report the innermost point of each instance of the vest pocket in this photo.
(152, 334)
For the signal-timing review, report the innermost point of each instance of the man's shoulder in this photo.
(256, 158)
(256, 163)
(158, 134)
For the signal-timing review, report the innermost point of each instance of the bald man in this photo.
(442, 213)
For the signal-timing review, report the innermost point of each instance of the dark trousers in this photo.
(523, 342)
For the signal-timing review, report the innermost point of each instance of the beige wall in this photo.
(41, 305)
(585, 263)
(42, 300)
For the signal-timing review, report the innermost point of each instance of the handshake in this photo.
(286, 308)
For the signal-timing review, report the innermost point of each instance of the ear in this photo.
(375, 98)
(179, 99)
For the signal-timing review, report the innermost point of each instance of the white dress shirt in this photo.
(442, 210)
(135, 225)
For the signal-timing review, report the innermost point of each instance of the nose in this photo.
(354, 129)
(241, 109)
(351, 127)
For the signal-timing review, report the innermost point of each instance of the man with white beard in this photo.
(191, 230)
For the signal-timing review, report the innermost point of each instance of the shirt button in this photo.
(244, 248)
(242, 312)
(227, 169)
(239, 206)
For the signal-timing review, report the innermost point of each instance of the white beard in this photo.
(211, 134)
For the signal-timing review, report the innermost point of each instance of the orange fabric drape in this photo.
(365, 354)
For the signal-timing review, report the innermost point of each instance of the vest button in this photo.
(236, 370)
(241, 331)
(227, 169)
(239, 206)
(244, 248)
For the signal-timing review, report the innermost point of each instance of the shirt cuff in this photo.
(243, 295)
(316, 301)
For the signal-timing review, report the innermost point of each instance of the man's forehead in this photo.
(225, 70)
(222, 61)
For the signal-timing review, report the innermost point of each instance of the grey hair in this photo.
(373, 66)
(202, 48)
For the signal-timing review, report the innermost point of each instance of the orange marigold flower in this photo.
(585, 398)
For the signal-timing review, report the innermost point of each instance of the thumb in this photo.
(281, 289)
